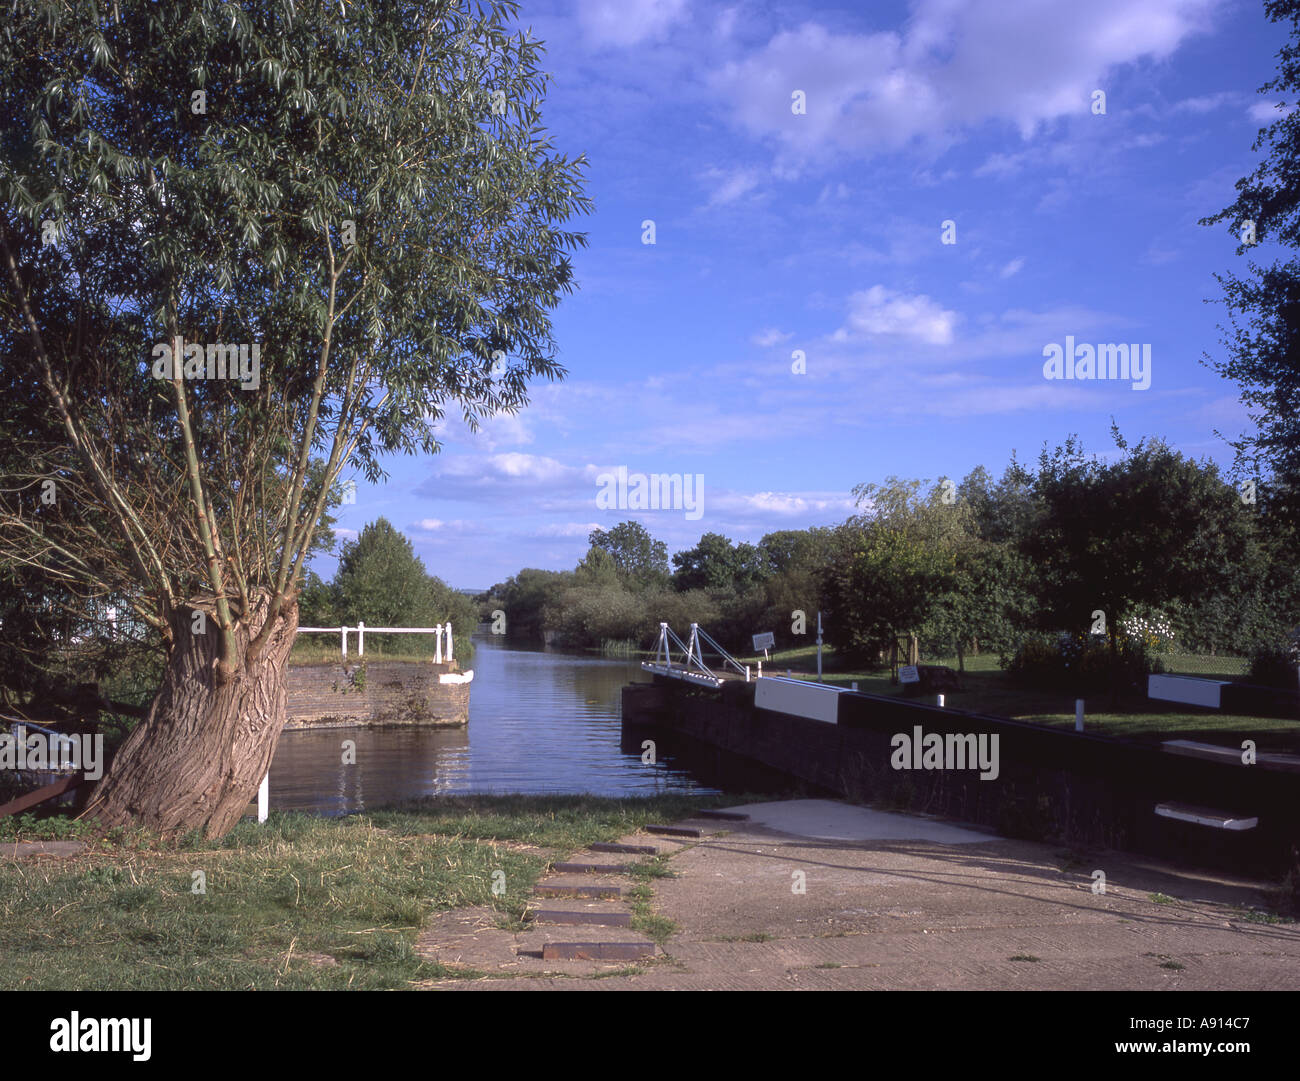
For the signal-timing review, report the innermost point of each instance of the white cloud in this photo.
(880, 311)
(771, 336)
(1206, 103)
(1265, 112)
(623, 23)
(567, 529)
(1013, 268)
(954, 66)
(730, 184)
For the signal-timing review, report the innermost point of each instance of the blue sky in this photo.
(823, 232)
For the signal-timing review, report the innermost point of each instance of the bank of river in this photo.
(539, 722)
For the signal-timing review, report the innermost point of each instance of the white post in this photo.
(855, 684)
(1078, 714)
(449, 641)
(437, 640)
(264, 797)
(819, 647)
(361, 638)
(760, 669)
(344, 631)
(746, 673)
(938, 700)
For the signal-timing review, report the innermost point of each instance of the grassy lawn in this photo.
(297, 903)
(990, 690)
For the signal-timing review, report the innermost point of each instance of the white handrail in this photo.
(361, 628)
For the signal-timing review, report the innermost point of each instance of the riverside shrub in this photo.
(1075, 662)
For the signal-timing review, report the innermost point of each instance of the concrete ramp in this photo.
(830, 820)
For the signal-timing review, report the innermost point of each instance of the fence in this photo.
(361, 628)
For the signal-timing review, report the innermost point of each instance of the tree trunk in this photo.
(198, 758)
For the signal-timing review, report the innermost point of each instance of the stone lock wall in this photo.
(390, 693)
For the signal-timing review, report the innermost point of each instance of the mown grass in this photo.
(297, 903)
(988, 689)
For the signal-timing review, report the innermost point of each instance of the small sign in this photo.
(764, 641)
(909, 674)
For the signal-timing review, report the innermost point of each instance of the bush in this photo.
(1275, 666)
(1081, 663)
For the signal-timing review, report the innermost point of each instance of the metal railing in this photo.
(361, 628)
(692, 667)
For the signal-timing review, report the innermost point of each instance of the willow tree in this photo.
(245, 247)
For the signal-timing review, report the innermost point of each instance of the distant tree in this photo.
(528, 597)
(317, 603)
(1006, 510)
(894, 563)
(641, 560)
(716, 564)
(1152, 528)
(788, 550)
(988, 604)
(381, 581)
(599, 570)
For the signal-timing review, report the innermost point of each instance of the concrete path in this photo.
(23, 850)
(895, 901)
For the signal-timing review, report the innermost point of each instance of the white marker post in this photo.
(819, 647)
(264, 797)
(938, 700)
(1078, 714)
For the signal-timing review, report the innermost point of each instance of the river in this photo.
(539, 721)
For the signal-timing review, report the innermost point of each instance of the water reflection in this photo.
(539, 722)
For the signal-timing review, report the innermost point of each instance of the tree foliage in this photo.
(1263, 306)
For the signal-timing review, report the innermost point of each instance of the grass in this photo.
(300, 902)
(1251, 915)
(988, 689)
(1023, 957)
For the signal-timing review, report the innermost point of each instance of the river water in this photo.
(538, 722)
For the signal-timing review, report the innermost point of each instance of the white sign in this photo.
(764, 641)
(909, 674)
